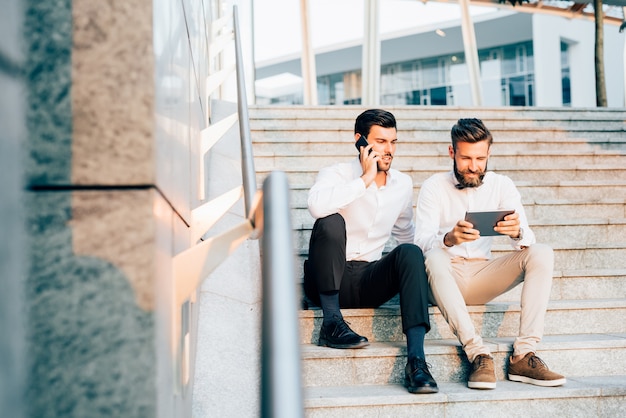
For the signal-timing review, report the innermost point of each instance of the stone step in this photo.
(421, 117)
(595, 173)
(571, 285)
(537, 191)
(289, 158)
(608, 208)
(292, 142)
(567, 256)
(492, 320)
(593, 396)
(383, 363)
(522, 143)
(432, 114)
(550, 231)
(577, 256)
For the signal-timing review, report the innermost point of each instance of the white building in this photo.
(526, 59)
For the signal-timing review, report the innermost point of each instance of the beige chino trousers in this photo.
(458, 282)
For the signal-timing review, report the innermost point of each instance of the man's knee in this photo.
(330, 226)
(541, 253)
(437, 263)
(410, 252)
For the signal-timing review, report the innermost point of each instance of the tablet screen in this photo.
(484, 221)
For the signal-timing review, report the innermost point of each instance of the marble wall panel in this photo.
(176, 163)
(90, 312)
(112, 93)
(168, 228)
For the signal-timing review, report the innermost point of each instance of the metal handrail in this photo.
(281, 387)
(266, 217)
(247, 161)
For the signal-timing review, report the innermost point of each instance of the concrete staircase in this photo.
(569, 165)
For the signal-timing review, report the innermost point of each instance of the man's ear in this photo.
(451, 151)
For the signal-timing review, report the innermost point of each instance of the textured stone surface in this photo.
(594, 396)
(117, 227)
(90, 343)
(229, 349)
(112, 93)
(48, 39)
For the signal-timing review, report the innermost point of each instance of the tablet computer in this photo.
(484, 221)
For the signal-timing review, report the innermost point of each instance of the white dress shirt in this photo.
(440, 205)
(371, 214)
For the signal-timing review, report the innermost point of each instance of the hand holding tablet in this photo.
(485, 221)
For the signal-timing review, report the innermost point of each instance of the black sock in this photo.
(330, 307)
(415, 342)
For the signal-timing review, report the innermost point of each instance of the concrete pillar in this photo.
(471, 53)
(112, 107)
(370, 78)
(309, 73)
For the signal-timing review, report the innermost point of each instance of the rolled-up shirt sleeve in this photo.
(512, 199)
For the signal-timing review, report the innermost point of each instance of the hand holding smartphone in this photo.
(362, 142)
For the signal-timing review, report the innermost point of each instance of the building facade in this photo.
(525, 60)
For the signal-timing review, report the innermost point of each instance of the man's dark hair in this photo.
(470, 130)
(373, 117)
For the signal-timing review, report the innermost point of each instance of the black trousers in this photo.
(364, 284)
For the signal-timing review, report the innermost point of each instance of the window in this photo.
(565, 80)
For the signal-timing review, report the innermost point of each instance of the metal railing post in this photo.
(281, 387)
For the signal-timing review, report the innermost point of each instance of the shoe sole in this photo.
(324, 343)
(481, 385)
(536, 382)
(421, 390)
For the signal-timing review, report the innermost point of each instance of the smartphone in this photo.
(362, 142)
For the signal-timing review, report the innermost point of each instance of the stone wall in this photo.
(101, 111)
(100, 231)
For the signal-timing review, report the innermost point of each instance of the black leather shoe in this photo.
(417, 378)
(339, 335)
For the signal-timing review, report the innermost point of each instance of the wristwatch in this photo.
(520, 236)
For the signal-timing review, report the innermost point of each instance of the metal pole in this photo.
(281, 386)
(247, 161)
(471, 53)
(309, 72)
(370, 75)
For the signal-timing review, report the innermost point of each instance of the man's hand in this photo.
(462, 232)
(509, 226)
(369, 164)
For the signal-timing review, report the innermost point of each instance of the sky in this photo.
(277, 25)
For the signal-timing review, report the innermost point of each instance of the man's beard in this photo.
(388, 166)
(464, 183)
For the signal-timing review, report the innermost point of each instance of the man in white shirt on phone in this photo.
(459, 263)
(358, 205)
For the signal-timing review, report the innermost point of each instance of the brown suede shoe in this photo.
(531, 369)
(483, 373)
